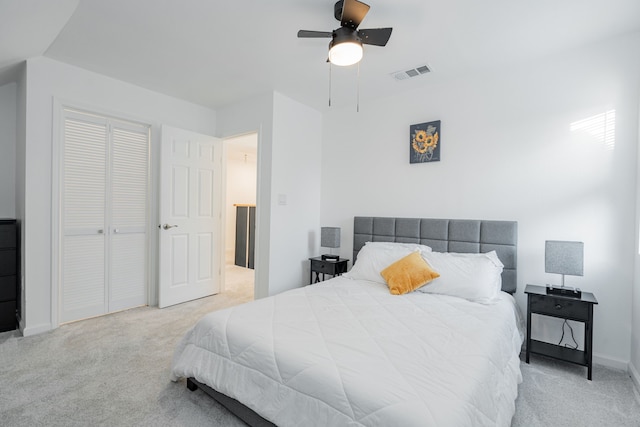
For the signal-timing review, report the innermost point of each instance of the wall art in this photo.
(424, 142)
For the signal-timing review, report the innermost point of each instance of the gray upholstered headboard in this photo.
(445, 235)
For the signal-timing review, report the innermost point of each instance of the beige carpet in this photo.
(114, 371)
(555, 393)
(111, 370)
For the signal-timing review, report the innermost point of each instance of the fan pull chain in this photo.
(358, 91)
(329, 83)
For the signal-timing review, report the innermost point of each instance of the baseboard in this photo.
(635, 376)
(609, 362)
(35, 330)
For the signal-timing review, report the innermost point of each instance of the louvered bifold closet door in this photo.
(85, 142)
(104, 197)
(129, 189)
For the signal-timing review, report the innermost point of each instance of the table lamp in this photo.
(565, 258)
(330, 238)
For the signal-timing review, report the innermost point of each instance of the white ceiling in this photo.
(216, 52)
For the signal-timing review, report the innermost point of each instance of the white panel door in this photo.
(190, 209)
(84, 153)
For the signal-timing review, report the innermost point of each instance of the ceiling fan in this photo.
(346, 43)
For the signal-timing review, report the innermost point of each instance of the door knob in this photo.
(167, 226)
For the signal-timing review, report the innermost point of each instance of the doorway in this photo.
(241, 160)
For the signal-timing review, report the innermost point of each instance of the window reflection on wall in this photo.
(602, 127)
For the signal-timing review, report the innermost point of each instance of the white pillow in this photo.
(376, 256)
(475, 277)
(394, 245)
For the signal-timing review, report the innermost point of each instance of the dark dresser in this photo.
(9, 273)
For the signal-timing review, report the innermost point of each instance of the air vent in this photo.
(413, 72)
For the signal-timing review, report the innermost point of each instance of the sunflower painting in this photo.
(424, 142)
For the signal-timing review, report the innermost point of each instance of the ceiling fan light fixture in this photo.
(345, 53)
(346, 43)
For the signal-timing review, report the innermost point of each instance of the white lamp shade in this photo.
(345, 53)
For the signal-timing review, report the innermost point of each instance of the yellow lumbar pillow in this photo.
(408, 274)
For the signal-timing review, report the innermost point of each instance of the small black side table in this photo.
(319, 265)
(578, 309)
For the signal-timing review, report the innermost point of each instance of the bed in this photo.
(348, 352)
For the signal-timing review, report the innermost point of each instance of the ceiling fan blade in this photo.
(375, 36)
(353, 12)
(314, 34)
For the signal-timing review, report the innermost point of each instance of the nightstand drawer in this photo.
(559, 307)
(323, 267)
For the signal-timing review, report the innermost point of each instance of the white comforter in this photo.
(347, 353)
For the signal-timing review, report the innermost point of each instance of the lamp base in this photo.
(328, 257)
(564, 291)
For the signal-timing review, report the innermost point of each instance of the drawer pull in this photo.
(558, 307)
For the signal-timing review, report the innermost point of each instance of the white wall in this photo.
(296, 170)
(289, 139)
(8, 143)
(21, 118)
(509, 152)
(46, 81)
(634, 365)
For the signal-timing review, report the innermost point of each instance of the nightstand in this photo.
(319, 265)
(578, 309)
